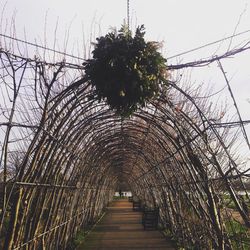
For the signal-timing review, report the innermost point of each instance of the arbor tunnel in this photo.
(71, 153)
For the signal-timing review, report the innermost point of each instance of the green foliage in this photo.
(118, 197)
(238, 234)
(126, 71)
(4, 230)
(77, 240)
(5, 225)
(231, 205)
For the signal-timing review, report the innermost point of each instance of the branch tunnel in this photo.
(72, 153)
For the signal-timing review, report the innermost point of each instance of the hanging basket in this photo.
(125, 71)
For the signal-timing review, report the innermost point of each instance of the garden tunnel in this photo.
(65, 154)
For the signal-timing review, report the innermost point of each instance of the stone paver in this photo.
(121, 229)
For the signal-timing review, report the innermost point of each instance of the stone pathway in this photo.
(121, 229)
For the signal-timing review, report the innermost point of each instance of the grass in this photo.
(81, 235)
(77, 240)
(238, 234)
(118, 197)
(4, 230)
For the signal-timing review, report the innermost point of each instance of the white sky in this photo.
(181, 24)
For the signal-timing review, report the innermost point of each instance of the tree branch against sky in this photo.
(181, 25)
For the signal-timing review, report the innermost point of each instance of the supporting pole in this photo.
(128, 17)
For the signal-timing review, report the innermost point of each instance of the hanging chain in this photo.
(128, 7)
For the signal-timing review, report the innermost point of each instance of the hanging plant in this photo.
(126, 71)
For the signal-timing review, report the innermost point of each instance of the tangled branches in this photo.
(63, 155)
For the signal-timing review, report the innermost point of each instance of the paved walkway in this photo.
(121, 229)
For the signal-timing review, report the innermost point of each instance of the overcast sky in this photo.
(181, 24)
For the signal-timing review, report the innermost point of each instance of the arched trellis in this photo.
(64, 153)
